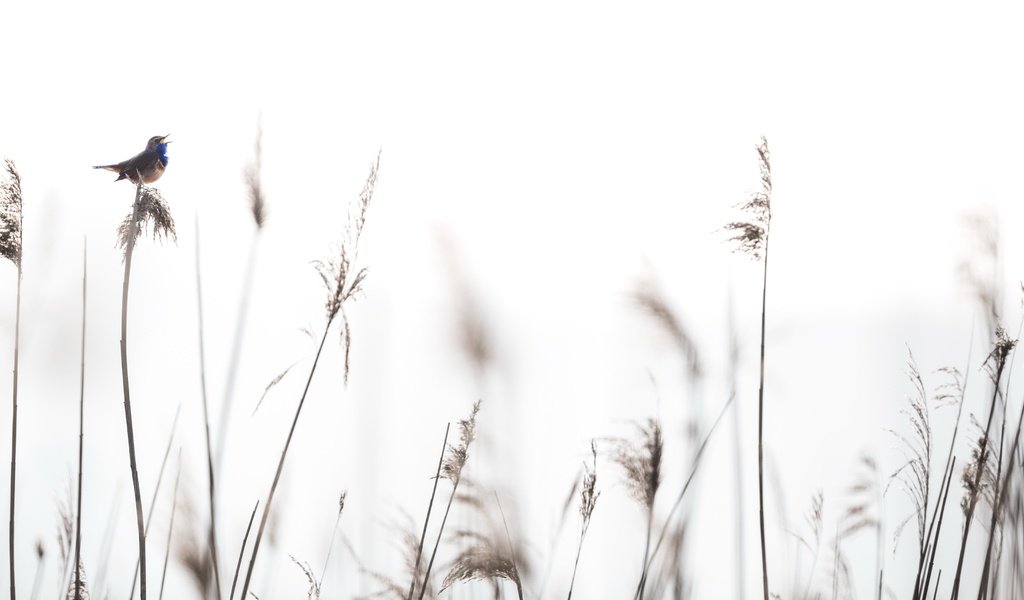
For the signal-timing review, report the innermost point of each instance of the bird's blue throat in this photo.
(162, 150)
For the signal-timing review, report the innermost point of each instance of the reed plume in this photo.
(914, 475)
(451, 469)
(342, 285)
(588, 501)
(79, 589)
(426, 520)
(995, 363)
(865, 492)
(11, 221)
(640, 461)
(751, 238)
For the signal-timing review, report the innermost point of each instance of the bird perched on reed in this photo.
(148, 164)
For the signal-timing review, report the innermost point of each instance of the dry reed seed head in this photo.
(979, 477)
(336, 273)
(65, 529)
(864, 493)
(980, 269)
(951, 392)
(456, 455)
(588, 492)
(254, 182)
(651, 300)
(78, 589)
(153, 213)
(914, 475)
(313, 593)
(751, 235)
(341, 502)
(11, 214)
(996, 359)
(481, 562)
(40, 549)
(640, 460)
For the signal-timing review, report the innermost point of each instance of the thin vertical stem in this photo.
(280, 467)
(170, 527)
(241, 551)
(128, 252)
(983, 457)
(81, 433)
(426, 520)
(156, 491)
(760, 425)
(433, 555)
(206, 423)
(647, 550)
(14, 424)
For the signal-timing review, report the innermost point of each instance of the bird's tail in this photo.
(114, 168)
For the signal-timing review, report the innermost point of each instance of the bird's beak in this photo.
(163, 140)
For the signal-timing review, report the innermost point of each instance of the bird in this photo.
(148, 164)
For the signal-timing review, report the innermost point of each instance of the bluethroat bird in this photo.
(148, 164)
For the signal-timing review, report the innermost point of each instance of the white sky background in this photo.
(565, 153)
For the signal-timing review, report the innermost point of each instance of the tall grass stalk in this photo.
(954, 391)
(996, 362)
(451, 468)
(81, 434)
(128, 252)
(997, 506)
(430, 508)
(682, 493)
(752, 238)
(343, 284)
(241, 551)
(156, 492)
(212, 536)
(11, 222)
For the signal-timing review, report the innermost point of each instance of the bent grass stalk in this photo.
(241, 551)
(455, 460)
(426, 520)
(342, 285)
(1003, 347)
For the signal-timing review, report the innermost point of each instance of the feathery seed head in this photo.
(751, 235)
(153, 212)
(455, 457)
(340, 282)
(641, 461)
(10, 213)
(254, 182)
